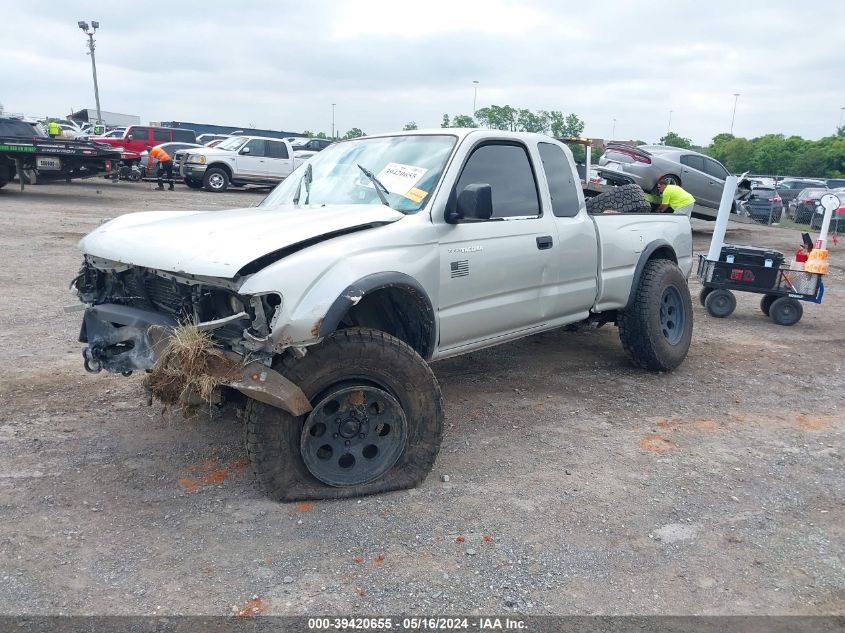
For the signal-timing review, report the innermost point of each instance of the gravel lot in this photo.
(577, 484)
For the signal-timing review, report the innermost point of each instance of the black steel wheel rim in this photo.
(353, 436)
(672, 317)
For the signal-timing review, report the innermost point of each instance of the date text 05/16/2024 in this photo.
(416, 624)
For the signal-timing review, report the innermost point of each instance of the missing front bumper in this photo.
(122, 339)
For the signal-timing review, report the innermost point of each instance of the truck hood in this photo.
(220, 243)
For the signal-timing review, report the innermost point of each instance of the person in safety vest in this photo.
(165, 165)
(674, 198)
(54, 129)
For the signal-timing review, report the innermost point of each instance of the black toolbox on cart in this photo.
(750, 265)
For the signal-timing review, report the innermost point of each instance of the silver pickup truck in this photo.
(378, 256)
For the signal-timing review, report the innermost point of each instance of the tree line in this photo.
(497, 117)
(773, 154)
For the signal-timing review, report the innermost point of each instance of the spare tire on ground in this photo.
(624, 199)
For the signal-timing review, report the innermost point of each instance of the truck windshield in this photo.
(409, 167)
(233, 143)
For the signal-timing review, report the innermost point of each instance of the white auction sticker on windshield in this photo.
(399, 178)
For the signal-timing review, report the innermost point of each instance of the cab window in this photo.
(507, 169)
(562, 187)
(256, 147)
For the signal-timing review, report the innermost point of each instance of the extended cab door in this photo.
(279, 160)
(572, 282)
(491, 272)
(251, 161)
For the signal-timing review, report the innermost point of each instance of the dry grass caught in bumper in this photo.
(190, 369)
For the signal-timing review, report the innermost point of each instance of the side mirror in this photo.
(245, 150)
(129, 138)
(474, 204)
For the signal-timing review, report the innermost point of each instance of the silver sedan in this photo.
(700, 175)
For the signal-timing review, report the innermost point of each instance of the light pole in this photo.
(94, 26)
(669, 127)
(474, 95)
(333, 105)
(736, 98)
(613, 130)
(841, 112)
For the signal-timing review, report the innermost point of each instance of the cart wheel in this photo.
(786, 311)
(720, 303)
(702, 295)
(766, 303)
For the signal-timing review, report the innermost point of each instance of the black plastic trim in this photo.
(645, 256)
(354, 292)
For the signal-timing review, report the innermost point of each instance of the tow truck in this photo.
(23, 151)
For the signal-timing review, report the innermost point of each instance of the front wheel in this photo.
(215, 180)
(376, 425)
(656, 328)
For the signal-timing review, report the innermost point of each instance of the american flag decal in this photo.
(459, 269)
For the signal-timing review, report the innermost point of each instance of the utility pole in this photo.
(474, 96)
(613, 131)
(94, 26)
(333, 105)
(841, 112)
(669, 127)
(736, 98)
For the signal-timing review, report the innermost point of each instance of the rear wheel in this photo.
(720, 303)
(215, 180)
(376, 425)
(766, 303)
(656, 328)
(786, 311)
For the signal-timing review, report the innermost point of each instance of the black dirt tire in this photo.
(193, 184)
(641, 324)
(215, 180)
(766, 303)
(720, 303)
(702, 295)
(786, 311)
(624, 199)
(351, 356)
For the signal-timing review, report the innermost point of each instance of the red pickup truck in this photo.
(137, 138)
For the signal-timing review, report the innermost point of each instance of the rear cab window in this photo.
(562, 186)
(277, 149)
(507, 168)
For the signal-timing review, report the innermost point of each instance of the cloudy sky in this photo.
(281, 64)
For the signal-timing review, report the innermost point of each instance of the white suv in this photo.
(239, 160)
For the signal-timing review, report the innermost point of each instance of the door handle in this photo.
(544, 242)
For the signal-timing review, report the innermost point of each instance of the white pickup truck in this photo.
(239, 160)
(378, 256)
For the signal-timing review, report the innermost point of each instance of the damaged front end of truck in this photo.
(193, 335)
